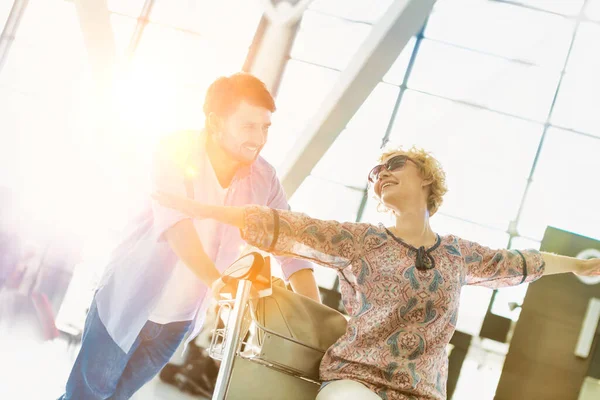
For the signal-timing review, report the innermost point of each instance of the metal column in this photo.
(374, 58)
(273, 40)
(10, 29)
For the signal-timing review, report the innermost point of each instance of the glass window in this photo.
(397, 71)
(23, 72)
(582, 60)
(520, 242)
(508, 301)
(341, 164)
(447, 225)
(579, 95)
(37, 53)
(356, 10)
(564, 187)
(487, 156)
(577, 104)
(214, 20)
(486, 80)
(41, 50)
(131, 8)
(534, 37)
(373, 116)
(474, 301)
(592, 10)
(372, 216)
(302, 91)
(327, 200)
(5, 7)
(363, 135)
(43, 70)
(181, 57)
(49, 21)
(328, 41)
(566, 7)
(122, 28)
(43, 164)
(166, 82)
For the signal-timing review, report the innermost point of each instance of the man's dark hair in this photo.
(227, 92)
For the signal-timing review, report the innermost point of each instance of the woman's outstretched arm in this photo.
(556, 264)
(286, 233)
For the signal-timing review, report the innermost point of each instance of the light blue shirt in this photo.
(141, 265)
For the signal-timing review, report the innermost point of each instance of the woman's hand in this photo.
(589, 267)
(180, 203)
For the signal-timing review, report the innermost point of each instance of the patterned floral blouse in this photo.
(402, 317)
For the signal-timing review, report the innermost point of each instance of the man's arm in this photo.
(303, 282)
(184, 241)
(176, 228)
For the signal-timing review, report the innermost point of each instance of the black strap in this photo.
(524, 266)
(275, 229)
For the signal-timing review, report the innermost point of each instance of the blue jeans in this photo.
(103, 371)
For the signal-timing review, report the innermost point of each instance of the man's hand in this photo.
(217, 288)
(220, 289)
(589, 267)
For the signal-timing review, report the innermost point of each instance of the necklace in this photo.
(424, 259)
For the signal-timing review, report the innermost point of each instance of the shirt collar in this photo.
(199, 151)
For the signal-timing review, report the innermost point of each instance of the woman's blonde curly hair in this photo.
(430, 169)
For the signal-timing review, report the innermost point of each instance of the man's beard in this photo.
(241, 150)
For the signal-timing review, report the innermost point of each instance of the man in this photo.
(153, 291)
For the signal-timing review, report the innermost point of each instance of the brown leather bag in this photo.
(293, 331)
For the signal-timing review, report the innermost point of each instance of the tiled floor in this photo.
(32, 369)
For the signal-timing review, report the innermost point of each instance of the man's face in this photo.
(243, 133)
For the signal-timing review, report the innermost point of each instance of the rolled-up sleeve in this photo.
(500, 268)
(168, 177)
(290, 266)
(278, 200)
(329, 243)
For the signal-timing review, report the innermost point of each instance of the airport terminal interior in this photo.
(505, 94)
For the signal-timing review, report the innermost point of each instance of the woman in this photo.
(400, 284)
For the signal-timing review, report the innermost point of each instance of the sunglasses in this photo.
(393, 164)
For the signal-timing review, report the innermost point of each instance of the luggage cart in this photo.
(271, 364)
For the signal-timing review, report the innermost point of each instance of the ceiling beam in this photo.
(371, 62)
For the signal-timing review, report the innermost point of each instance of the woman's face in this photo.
(399, 179)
